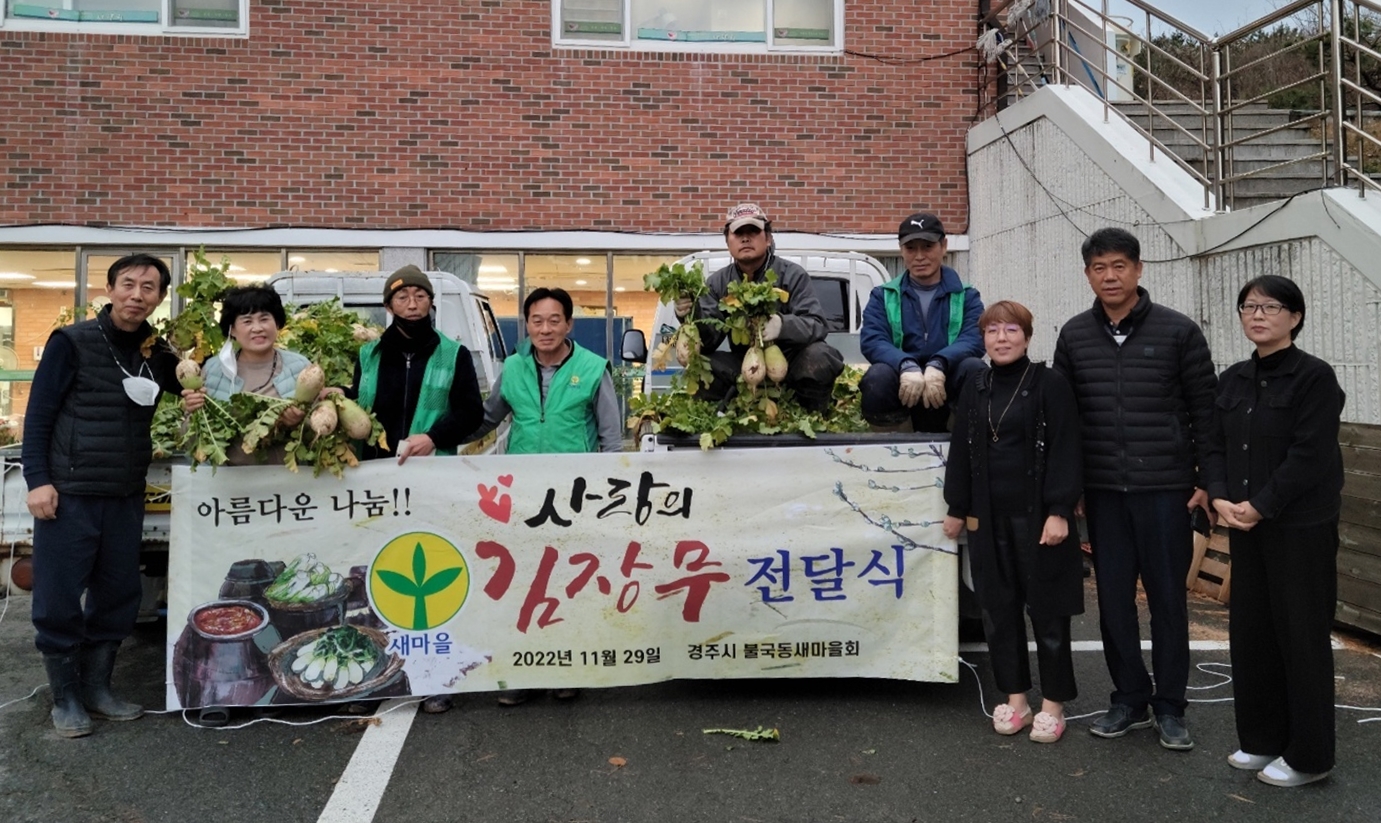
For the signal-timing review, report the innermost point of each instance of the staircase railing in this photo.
(1175, 80)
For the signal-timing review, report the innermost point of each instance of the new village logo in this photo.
(418, 581)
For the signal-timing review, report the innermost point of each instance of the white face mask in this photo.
(141, 390)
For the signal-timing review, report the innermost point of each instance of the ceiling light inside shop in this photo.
(493, 268)
(297, 259)
(12, 276)
(581, 282)
(582, 261)
(54, 284)
(620, 288)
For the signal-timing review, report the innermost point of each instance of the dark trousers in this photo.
(881, 407)
(1146, 535)
(1284, 591)
(810, 374)
(1005, 626)
(91, 548)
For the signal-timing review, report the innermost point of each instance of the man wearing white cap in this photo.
(798, 328)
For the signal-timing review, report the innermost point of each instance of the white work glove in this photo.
(684, 306)
(933, 395)
(912, 384)
(772, 328)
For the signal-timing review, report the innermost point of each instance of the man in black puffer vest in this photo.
(1144, 380)
(86, 451)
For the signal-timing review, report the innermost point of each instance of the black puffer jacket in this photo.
(1145, 407)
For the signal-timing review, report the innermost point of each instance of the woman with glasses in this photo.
(1015, 473)
(1275, 474)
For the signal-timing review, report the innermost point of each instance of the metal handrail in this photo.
(1078, 26)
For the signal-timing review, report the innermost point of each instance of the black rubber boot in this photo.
(98, 662)
(69, 716)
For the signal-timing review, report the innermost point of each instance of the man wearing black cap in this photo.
(920, 333)
(798, 329)
(420, 384)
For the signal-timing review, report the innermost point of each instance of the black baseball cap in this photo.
(920, 226)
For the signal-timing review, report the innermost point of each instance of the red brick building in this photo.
(380, 133)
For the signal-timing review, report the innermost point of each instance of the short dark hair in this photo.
(241, 300)
(1111, 241)
(1277, 288)
(139, 261)
(559, 295)
(1007, 311)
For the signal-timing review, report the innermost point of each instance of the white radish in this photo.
(342, 678)
(313, 671)
(356, 672)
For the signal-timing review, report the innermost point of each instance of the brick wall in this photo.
(344, 114)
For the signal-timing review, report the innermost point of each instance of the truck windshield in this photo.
(834, 300)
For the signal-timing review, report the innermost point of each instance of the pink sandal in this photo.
(1007, 721)
(1047, 729)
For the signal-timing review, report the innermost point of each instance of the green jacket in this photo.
(435, 399)
(563, 421)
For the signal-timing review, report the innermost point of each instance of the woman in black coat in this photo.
(1275, 474)
(1014, 475)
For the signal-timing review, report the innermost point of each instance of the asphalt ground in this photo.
(850, 750)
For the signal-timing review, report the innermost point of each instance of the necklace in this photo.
(993, 428)
(273, 372)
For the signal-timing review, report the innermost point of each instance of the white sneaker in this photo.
(1249, 762)
(1279, 773)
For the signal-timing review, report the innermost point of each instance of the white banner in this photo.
(457, 574)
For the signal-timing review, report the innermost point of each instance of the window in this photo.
(700, 25)
(197, 17)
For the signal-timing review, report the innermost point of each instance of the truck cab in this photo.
(842, 282)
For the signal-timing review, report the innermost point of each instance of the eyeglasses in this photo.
(1268, 309)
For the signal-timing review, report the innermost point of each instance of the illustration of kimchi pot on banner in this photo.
(458, 574)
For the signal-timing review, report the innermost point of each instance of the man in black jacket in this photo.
(1145, 384)
(86, 451)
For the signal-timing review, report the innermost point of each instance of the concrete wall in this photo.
(1049, 170)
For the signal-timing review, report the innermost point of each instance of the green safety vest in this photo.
(435, 398)
(891, 293)
(565, 422)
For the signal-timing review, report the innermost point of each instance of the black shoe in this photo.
(1120, 719)
(437, 704)
(1173, 733)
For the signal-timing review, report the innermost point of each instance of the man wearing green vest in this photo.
(561, 397)
(920, 333)
(421, 385)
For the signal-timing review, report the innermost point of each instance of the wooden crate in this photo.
(1359, 532)
(1210, 573)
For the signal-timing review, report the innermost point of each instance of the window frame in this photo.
(632, 44)
(162, 28)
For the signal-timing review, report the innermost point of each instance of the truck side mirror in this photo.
(633, 347)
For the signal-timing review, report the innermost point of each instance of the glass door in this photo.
(92, 277)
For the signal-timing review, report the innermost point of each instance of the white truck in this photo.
(461, 313)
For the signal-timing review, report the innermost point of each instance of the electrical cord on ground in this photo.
(247, 724)
(6, 583)
(36, 690)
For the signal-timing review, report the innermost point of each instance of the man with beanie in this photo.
(86, 452)
(798, 328)
(920, 333)
(421, 385)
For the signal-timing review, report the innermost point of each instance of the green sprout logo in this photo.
(400, 590)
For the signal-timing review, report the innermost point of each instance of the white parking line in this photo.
(1097, 646)
(362, 786)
